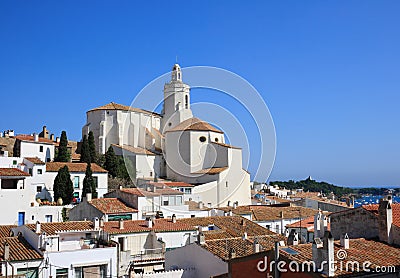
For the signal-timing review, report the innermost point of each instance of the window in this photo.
(277, 228)
(96, 181)
(33, 217)
(30, 171)
(216, 139)
(188, 191)
(178, 200)
(169, 124)
(151, 174)
(39, 171)
(62, 273)
(226, 184)
(76, 182)
(202, 139)
(49, 218)
(186, 101)
(9, 184)
(41, 149)
(14, 162)
(268, 227)
(38, 189)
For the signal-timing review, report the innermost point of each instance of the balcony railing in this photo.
(148, 254)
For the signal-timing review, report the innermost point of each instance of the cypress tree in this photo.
(89, 185)
(63, 186)
(85, 152)
(111, 163)
(63, 155)
(92, 147)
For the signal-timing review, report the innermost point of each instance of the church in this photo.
(173, 145)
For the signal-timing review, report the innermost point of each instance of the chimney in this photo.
(293, 238)
(89, 197)
(317, 224)
(256, 246)
(52, 137)
(244, 236)
(36, 137)
(96, 223)
(201, 205)
(235, 204)
(37, 227)
(6, 252)
(243, 223)
(58, 139)
(154, 188)
(317, 252)
(102, 221)
(149, 222)
(328, 254)
(229, 203)
(121, 224)
(276, 259)
(385, 220)
(173, 218)
(232, 253)
(325, 223)
(201, 239)
(344, 241)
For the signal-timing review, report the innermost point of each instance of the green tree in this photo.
(89, 186)
(63, 186)
(111, 164)
(63, 154)
(85, 152)
(92, 147)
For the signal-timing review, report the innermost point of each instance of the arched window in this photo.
(203, 139)
(186, 101)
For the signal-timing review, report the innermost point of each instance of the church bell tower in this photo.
(176, 105)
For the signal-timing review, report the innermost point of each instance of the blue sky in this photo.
(328, 70)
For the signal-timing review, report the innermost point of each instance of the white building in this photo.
(71, 249)
(174, 145)
(77, 172)
(144, 242)
(34, 146)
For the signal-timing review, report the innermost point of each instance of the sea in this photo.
(373, 199)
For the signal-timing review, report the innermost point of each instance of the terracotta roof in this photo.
(307, 223)
(195, 206)
(266, 213)
(135, 150)
(30, 138)
(111, 206)
(20, 249)
(12, 172)
(55, 228)
(211, 171)
(222, 247)
(360, 250)
(140, 226)
(226, 145)
(73, 167)
(5, 230)
(306, 194)
(116, 106)
(235, 226)
(395, 211)
(35, 160)
(194, 124)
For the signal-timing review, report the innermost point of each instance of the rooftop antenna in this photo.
(176, 59)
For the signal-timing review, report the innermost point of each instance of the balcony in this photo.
(149, 254)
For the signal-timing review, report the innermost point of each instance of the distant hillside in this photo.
(313, 186)
(326, 188)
